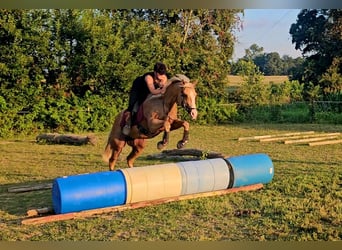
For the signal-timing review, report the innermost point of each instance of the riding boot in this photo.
(127, 128)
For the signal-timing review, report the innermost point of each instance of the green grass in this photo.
(303, 201)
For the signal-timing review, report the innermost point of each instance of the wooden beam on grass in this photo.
(324, 142)
(179, 153)
(297, 137)
(257, 137)
(88, 213)
(55, 138)
(39, 211)
(301, 141)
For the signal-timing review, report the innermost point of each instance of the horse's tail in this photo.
(109, 147)
(107, 152)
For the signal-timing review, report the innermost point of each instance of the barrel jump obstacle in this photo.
(132, 185)
(85, 195)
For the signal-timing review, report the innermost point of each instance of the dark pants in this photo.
(133, 99)
(138, 93)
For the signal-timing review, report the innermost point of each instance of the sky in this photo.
(268, 28)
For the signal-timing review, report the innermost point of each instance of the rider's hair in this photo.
(160, 68)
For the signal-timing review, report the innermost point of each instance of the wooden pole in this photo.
(56, 138)
(296, 137)
(179, 153)
(257, 137)
(324, 142)
(39, 211)
(309, 140)
(88, 213)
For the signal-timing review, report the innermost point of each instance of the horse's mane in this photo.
(179, 78)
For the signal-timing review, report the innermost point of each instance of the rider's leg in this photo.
(133, 99)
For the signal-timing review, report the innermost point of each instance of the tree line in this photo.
(56, 63)
(70, 69)
(270, 64)
(317, 33)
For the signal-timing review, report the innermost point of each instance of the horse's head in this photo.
(187, 98)
(180, 88)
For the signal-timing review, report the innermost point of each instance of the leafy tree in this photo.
(270, 63)
(331, 80)
(273, 65)
(252, 92)
(56, 63)
(293, 67)
(253, 52)
(317, 33)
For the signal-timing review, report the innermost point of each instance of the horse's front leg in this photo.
(176, 125)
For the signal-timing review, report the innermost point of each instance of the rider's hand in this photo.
(162, 89)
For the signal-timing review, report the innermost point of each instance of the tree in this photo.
(273, 64)
(317, 33)
(331, 80)
(269, 63)
(253, 52)
(56, 61)
(252, 92)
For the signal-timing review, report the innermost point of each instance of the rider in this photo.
(150, 83)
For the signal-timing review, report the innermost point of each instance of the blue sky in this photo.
(268, 28)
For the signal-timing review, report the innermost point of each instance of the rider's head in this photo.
(160, 68)
(160, 73)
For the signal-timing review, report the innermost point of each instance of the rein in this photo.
(187, 108)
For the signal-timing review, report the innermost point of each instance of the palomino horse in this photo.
(159, 115)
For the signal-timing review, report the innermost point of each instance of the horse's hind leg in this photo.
(137, 148)
(116, 151)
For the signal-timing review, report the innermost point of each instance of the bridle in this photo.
(184, 104)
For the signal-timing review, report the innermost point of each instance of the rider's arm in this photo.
(150, 84)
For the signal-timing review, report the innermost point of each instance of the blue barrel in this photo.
(204, 176)
(88, 191)
(251, 169)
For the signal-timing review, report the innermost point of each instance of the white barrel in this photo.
(204, 176)
(152, 182)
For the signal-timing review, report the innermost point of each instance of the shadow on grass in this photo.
(318, 163)
(18, 203)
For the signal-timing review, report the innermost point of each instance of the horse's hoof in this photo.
(161, 145)
(181, 144)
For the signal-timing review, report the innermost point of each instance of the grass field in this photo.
(233, 80)
(303, 201)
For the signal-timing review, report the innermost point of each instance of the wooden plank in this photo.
(88, 213)
(180, 153)
(324, 142)
(28, 188)
(296, 137)
(309, 140)
(39, 211)
(72, 139)
(257, 137)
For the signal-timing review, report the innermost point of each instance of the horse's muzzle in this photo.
(193, 113)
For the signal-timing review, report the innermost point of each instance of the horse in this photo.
(158, 113)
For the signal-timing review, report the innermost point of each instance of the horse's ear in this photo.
(182, 84)
(195, 83)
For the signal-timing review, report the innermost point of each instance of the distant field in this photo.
(237, 80)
